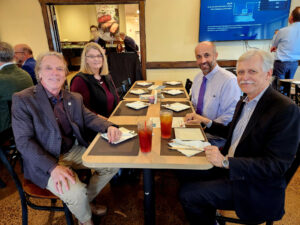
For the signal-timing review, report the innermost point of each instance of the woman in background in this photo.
(94, 83)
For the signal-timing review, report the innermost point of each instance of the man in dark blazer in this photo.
(262, 140)
(49, 126)
(130, 45)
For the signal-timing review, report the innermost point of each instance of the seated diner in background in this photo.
(49, 126)
(94, 83)
(248, 173)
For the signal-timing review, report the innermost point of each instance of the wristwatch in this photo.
(225, 163)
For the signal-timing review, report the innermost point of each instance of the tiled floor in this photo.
(125, 202)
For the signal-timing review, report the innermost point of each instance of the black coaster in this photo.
(129, 147)
(124, 110)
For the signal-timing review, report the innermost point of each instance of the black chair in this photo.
(28, 190)
(288, 176)
(188, 85)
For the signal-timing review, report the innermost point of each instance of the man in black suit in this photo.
(262, 140)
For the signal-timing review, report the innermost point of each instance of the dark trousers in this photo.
(202, 192)
(285, 70)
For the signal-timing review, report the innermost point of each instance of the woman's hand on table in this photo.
(113, 134)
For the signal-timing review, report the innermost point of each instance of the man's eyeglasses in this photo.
(94, 56)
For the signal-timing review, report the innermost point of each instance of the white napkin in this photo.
(126, 134)
(173, 92)
(138, 91)
(144, 83)
(156, 87)
(176, 143)
(177, 107)
(137, 105)
(176, 122)
(173, 82)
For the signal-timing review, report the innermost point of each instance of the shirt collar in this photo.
(257, 98)
(211, 74)
(49, 95)
(6, 64)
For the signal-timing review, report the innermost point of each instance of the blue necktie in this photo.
(201, 96)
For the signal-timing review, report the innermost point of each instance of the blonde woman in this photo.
(94, 83)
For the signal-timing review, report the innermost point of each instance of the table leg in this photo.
(149, 197)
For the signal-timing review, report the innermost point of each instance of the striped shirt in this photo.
(246, 114)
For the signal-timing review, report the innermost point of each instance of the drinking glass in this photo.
(145, 135)
(166, 117)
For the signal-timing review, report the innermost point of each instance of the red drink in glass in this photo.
(166, 117)
(145, 135)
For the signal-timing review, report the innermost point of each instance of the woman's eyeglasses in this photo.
(94, 56)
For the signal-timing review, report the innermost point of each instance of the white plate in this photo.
(177, 107)
(137, 105)
(138, 91)
(173, 92)
(143, 83)
(173, 82)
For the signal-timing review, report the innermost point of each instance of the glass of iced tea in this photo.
(166, 117)
(145, 135)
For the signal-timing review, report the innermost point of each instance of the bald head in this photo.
(206, 56)
(22, 53)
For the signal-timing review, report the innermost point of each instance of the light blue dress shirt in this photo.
(221, 94)
(287, 42)
(245, 116)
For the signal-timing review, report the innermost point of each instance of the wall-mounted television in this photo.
(228, 20)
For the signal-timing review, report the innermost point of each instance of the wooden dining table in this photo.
(128, 155)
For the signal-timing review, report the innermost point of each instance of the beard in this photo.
(207, 67)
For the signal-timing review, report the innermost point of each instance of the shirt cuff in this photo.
(208, 125)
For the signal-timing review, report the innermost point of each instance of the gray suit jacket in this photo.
(37, 134)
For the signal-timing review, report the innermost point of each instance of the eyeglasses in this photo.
(94, 56)
(20, 52)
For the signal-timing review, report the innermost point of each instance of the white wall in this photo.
(172, 34)
(21, 21)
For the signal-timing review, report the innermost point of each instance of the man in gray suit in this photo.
(50, 126)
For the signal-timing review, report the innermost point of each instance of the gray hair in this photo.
(266, 57)
(6, 52)
(42, 56)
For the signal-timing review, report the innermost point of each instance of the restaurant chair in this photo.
(188, 85)
(221, 219)
(28, 191)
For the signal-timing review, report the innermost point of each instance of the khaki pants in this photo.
(79, 196)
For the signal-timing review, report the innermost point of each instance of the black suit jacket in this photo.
(263, 155)
(37, 134)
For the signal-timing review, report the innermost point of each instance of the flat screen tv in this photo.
(228, 20)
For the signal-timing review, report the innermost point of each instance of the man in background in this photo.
(130, 45)
(215, 91)
(96, 36)
(12, 79)
(286, 45)
(24, 58)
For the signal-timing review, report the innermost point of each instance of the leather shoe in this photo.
(98, 210)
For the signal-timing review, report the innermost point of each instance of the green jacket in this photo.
(12, 79)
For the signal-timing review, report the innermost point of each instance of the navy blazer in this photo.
(29, 66)
(263, 155)
(37, 134)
